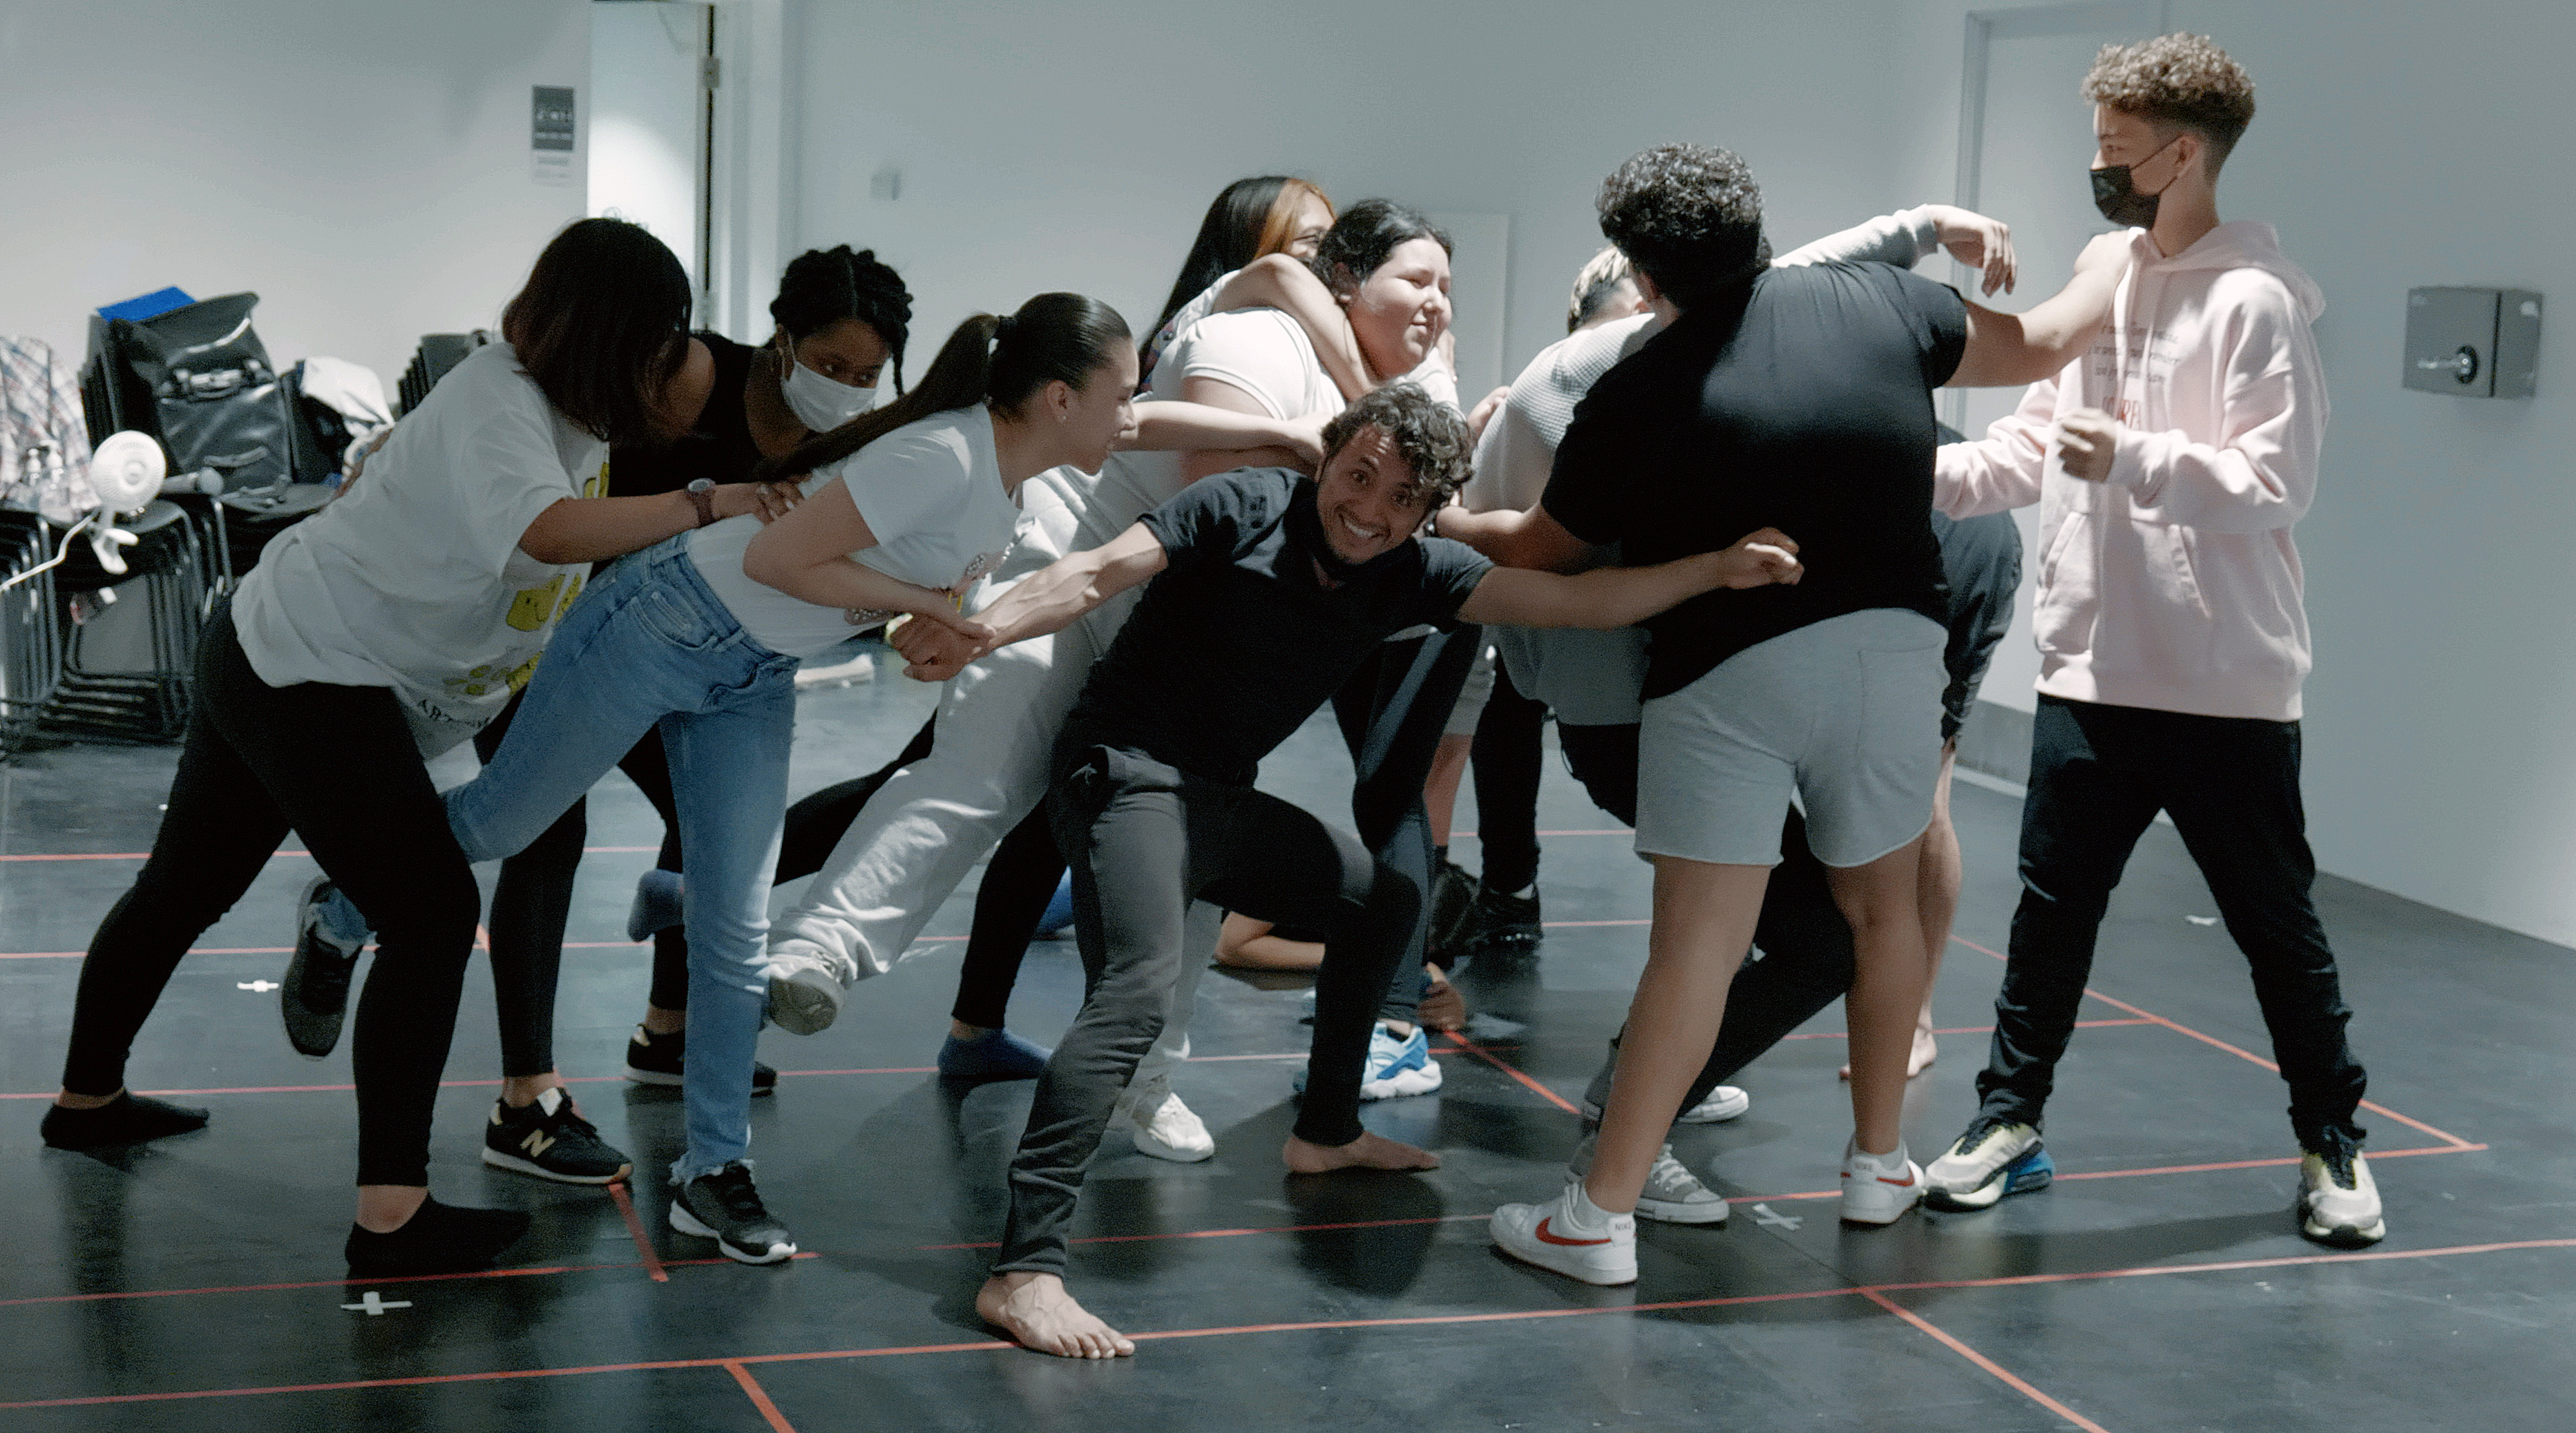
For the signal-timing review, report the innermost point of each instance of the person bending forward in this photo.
(1273, 589)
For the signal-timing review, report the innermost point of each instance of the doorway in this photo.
(652, 67)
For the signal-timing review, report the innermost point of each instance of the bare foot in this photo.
(1919, 1059)
(1037, 1312)
(1367, 1152)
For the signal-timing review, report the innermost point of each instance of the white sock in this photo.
(1894, 1159)
(1581, 1214)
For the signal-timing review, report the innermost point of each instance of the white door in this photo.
(648, 122)
(2024, 152)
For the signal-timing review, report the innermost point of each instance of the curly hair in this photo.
(1689, 216)
(1428, 433)
(2182, 81)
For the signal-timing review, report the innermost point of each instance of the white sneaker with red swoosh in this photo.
(1597, 1247)
(1877, 1188)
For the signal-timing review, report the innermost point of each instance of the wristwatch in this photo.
(702, 494)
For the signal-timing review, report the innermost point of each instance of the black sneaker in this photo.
(1453, 894)
(315, 996)
(128, 1119)
(657, 1059)
(1498, 921)
(724, 1207)
(438, 1239)
(549, 1139)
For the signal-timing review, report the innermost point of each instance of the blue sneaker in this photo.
(993, 1055)
(1396, 1066)
(1059, 911)
(1995, 1157)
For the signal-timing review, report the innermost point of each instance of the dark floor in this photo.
(2160, 1285)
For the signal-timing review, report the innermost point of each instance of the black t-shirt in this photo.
(1803, 404)
(1981, 557)
(718, 448)
(1238, 639)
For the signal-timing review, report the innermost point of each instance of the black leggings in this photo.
(1506, 760)
(338, 766)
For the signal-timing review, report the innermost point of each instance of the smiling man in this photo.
(1268, 590)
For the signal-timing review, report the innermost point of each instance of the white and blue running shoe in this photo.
(1396, 1066)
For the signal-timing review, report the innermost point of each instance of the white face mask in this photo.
(821, 404)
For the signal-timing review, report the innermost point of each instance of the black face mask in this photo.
(2121, 203)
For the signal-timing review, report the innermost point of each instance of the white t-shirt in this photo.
(1262, 351)
(414, 580)
(932, 493)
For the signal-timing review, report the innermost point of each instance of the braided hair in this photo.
(824, 286)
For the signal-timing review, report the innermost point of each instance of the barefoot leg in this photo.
(1367, 1152)
(1038, 1312)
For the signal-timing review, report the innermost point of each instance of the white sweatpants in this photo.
(921, 833)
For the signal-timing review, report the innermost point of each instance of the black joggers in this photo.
(2098, 775)
(337, 765)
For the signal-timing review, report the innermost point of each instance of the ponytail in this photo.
(1006, 361)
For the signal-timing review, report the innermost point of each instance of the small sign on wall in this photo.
(550, 136)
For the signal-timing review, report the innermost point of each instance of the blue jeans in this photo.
(649, 644)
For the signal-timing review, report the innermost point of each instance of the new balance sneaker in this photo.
(1673, 1195)
(1879, 1188)
(1500, 920)
(1160, 1124)
(663, 1059)
(2338, 1200)
(724, 1206)
(807, 985)
(314, 999)
(1724, 1103)
(1571, 1236)
(657, 905)
(549, 1139)
(1993, 1158)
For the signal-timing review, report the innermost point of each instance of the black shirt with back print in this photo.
(1240, 638)
(1803, 403)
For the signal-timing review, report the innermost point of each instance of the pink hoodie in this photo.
(2173, 585)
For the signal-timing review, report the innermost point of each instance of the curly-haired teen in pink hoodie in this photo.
(2170, 463)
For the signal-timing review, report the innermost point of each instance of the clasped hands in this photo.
(937, 644)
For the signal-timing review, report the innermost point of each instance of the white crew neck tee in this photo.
(413, 579)
(932, 493)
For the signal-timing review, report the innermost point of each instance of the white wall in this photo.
(2396, 147)
(362, 167)
(647, 118)
(1050, 146)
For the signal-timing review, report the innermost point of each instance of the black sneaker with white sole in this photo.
(314, 998)
(724, 1206)
(660, 1060)
(1501, 921)
(549, 1139)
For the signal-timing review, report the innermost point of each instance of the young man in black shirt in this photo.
(1802, 395)
(1272, 589)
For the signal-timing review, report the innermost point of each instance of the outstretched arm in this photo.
(1623, 596)
(1280, 282)
(2007, 349)
(1047, 600)
(1168, 425)
(806, 555)
(1531, 539)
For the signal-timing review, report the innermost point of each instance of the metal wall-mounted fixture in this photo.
(2472, 343)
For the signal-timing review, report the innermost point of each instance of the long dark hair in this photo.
(1001, 361)
(1250, 218)
(602, 326)
(1364, 235)
(824, 286)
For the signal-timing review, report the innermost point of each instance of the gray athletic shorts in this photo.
(1472, 697)
(1845, 714)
